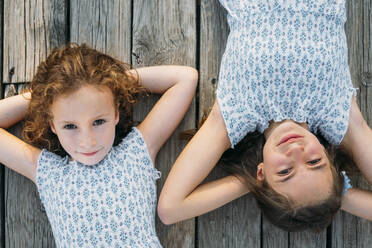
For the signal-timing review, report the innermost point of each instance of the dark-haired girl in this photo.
(285, 109)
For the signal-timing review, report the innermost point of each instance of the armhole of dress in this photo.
(227, 8)
(39, 166)
(351, 92)
(225, 122)
(155, 172)
(42, 163)
(334, 137)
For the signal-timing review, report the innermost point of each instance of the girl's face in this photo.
(84, 122)
(295, 164)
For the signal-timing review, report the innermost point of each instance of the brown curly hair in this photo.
(65, 71)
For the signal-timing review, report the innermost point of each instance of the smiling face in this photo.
(84, 122)
(295, 164)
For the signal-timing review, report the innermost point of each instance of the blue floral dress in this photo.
(285, 59)
(110, 204)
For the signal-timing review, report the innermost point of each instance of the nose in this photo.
(295, 150)
(87, 138)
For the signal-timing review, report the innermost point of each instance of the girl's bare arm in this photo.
(13, 109)
(182, 196)
(15, 153)
(358, 140)
(178, 85)
(358, 202)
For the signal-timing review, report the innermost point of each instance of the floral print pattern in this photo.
(110, 204)
(285, 59)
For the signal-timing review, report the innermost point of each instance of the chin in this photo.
(89, 161)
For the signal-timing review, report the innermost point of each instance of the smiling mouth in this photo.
(89, 154)
(289, 138)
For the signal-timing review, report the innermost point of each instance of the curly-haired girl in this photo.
(94, 171)
(284, 77)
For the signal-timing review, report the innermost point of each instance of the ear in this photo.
(260, 173)
(52, 127)
(117, 115)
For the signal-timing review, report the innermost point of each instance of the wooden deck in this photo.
(150, 32)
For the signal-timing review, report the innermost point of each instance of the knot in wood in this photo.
(367, 79)
(10, 74)
(137, 57)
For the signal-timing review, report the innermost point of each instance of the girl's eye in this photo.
(98, 122)
(69, 126)
(313, 162)
(284, 172)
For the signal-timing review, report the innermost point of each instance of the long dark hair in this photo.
(242, 161)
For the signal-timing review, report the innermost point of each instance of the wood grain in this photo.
(237, 224)
(26, 224)
(31, 30)
(103, 25)
(164, 33)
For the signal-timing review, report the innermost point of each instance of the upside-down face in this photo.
(295, 164)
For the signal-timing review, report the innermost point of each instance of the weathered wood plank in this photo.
(273, 236)
(347, 230)
(31, 30)
(103, 25)
(308, 239)
(27, 40)
(237, 224)
(344, 232)
(26, 224)
(164, 33)
(214, 31)
(214, 227)
(344, 226)
(364, 56)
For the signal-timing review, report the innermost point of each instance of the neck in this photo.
(274, 124)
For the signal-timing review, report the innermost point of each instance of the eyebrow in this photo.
(313, 168)
(95, 118)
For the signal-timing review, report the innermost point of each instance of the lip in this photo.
(288, 138)
(89, 153)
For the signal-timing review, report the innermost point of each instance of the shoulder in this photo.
(357, 128)
(239, 111)
(46, 157)
(335, 119)
(50, 168)
(132, 141)
(134, 146)
(48, 162)
(133, 153)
